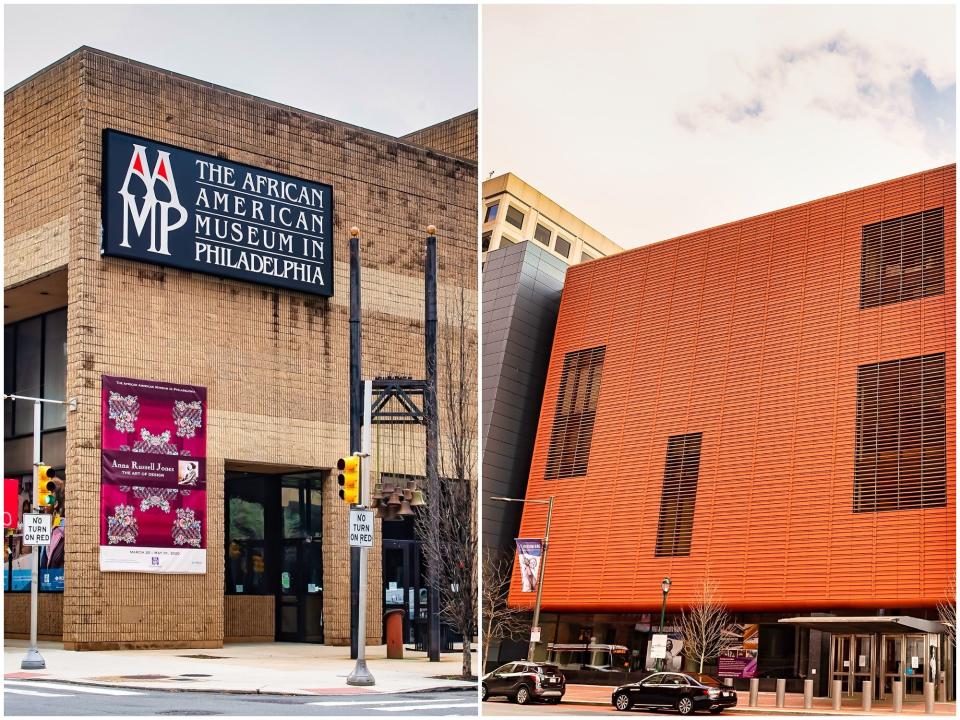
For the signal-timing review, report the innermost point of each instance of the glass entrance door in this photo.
(841, 653)
(300, 587)
(863, 661)
(401, 582)
(915, 665)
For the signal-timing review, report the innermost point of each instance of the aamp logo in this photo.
(164, 213)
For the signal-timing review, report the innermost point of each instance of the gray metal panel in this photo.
(522, 285)
(868, 624)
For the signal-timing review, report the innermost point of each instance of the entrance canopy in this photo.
(888, 624)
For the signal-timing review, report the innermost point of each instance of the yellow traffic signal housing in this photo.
(349, 479)
(45, 494)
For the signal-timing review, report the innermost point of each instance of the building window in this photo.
(504, 241)
(35, 365)
(572, 434)
(514, 217)
(542, 235)
(491, 213)
(562, 246)
(901, 458)
(586, 256)
(678, 498)
(248, 570)
(17, 557)
(485, 245)
(902, 259)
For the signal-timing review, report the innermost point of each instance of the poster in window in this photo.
(153, 482)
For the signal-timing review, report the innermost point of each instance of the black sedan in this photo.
(524, 681)
(684, 692)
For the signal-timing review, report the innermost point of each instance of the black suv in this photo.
(523, 681)
(684, 692)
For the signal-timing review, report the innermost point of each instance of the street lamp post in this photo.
(543, 564)
(665, 588)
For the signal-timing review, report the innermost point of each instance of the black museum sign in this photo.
(169, 206)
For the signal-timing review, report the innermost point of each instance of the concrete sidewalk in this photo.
(767, 703)
(286, 668)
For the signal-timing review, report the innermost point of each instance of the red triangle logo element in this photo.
(162, 170)
(136, 164)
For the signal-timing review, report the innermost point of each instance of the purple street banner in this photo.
(741, 658)
(529, 553)
(153, 480)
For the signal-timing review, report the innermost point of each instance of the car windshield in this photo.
(706, 679)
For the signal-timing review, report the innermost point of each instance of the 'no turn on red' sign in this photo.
(361, 528)
(36, 529)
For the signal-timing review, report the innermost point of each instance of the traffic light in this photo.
(349, 479)
(45, 494)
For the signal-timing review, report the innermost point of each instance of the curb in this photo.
(258, 691)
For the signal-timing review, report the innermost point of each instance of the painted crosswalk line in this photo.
(423, 706)
(45, 685)
(356, 703)
(15, 691)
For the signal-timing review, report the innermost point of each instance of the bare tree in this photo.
(447, 524)
(703, 624)
(947, 610)
(500, 621)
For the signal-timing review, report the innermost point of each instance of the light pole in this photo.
(665, 587)
(543, 563)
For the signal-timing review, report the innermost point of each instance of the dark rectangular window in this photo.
(562, 246)
(902, 259)
(486, 240)
(679, 496)
(491, 212)
(586, 257)
(901, 454)
(542, 235)
(572, 434)
(514, 217)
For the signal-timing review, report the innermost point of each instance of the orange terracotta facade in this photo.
(750, 333)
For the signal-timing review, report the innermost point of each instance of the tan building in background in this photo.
(274, 362)
(515, 212)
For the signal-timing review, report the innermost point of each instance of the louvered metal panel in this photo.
(572, 434)
(678, 498)
(902, 259)
(901, 461)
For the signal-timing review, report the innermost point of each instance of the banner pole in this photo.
(543, 564)
(33, 659)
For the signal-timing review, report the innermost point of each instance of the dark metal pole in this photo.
(663, 612)
(356, 418)
(433, 431)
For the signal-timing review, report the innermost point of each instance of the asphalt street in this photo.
(30, 697)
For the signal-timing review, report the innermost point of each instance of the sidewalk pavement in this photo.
(285, 668)
(767, 703)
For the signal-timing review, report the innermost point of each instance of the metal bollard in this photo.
(754, 691)
(781, 692)
(928, 695)
(807, 694)
(897, 695)
(837, 693)
(867, 695)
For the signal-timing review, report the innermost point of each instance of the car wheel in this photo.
(622, 702)
(484, 693)
(523, 695)
(685, 705)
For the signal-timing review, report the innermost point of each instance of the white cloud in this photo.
(649, 122)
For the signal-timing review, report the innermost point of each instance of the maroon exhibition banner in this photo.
(153, 482)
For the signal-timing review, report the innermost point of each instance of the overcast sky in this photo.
(391, 68)
(649, 122)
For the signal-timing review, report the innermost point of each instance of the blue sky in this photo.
(390, 68)
(653, 121)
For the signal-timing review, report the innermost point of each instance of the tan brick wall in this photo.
(16, 615)
(248, 618)
(275, 363)
(456, 136)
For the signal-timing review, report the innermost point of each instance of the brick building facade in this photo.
(274, 362)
